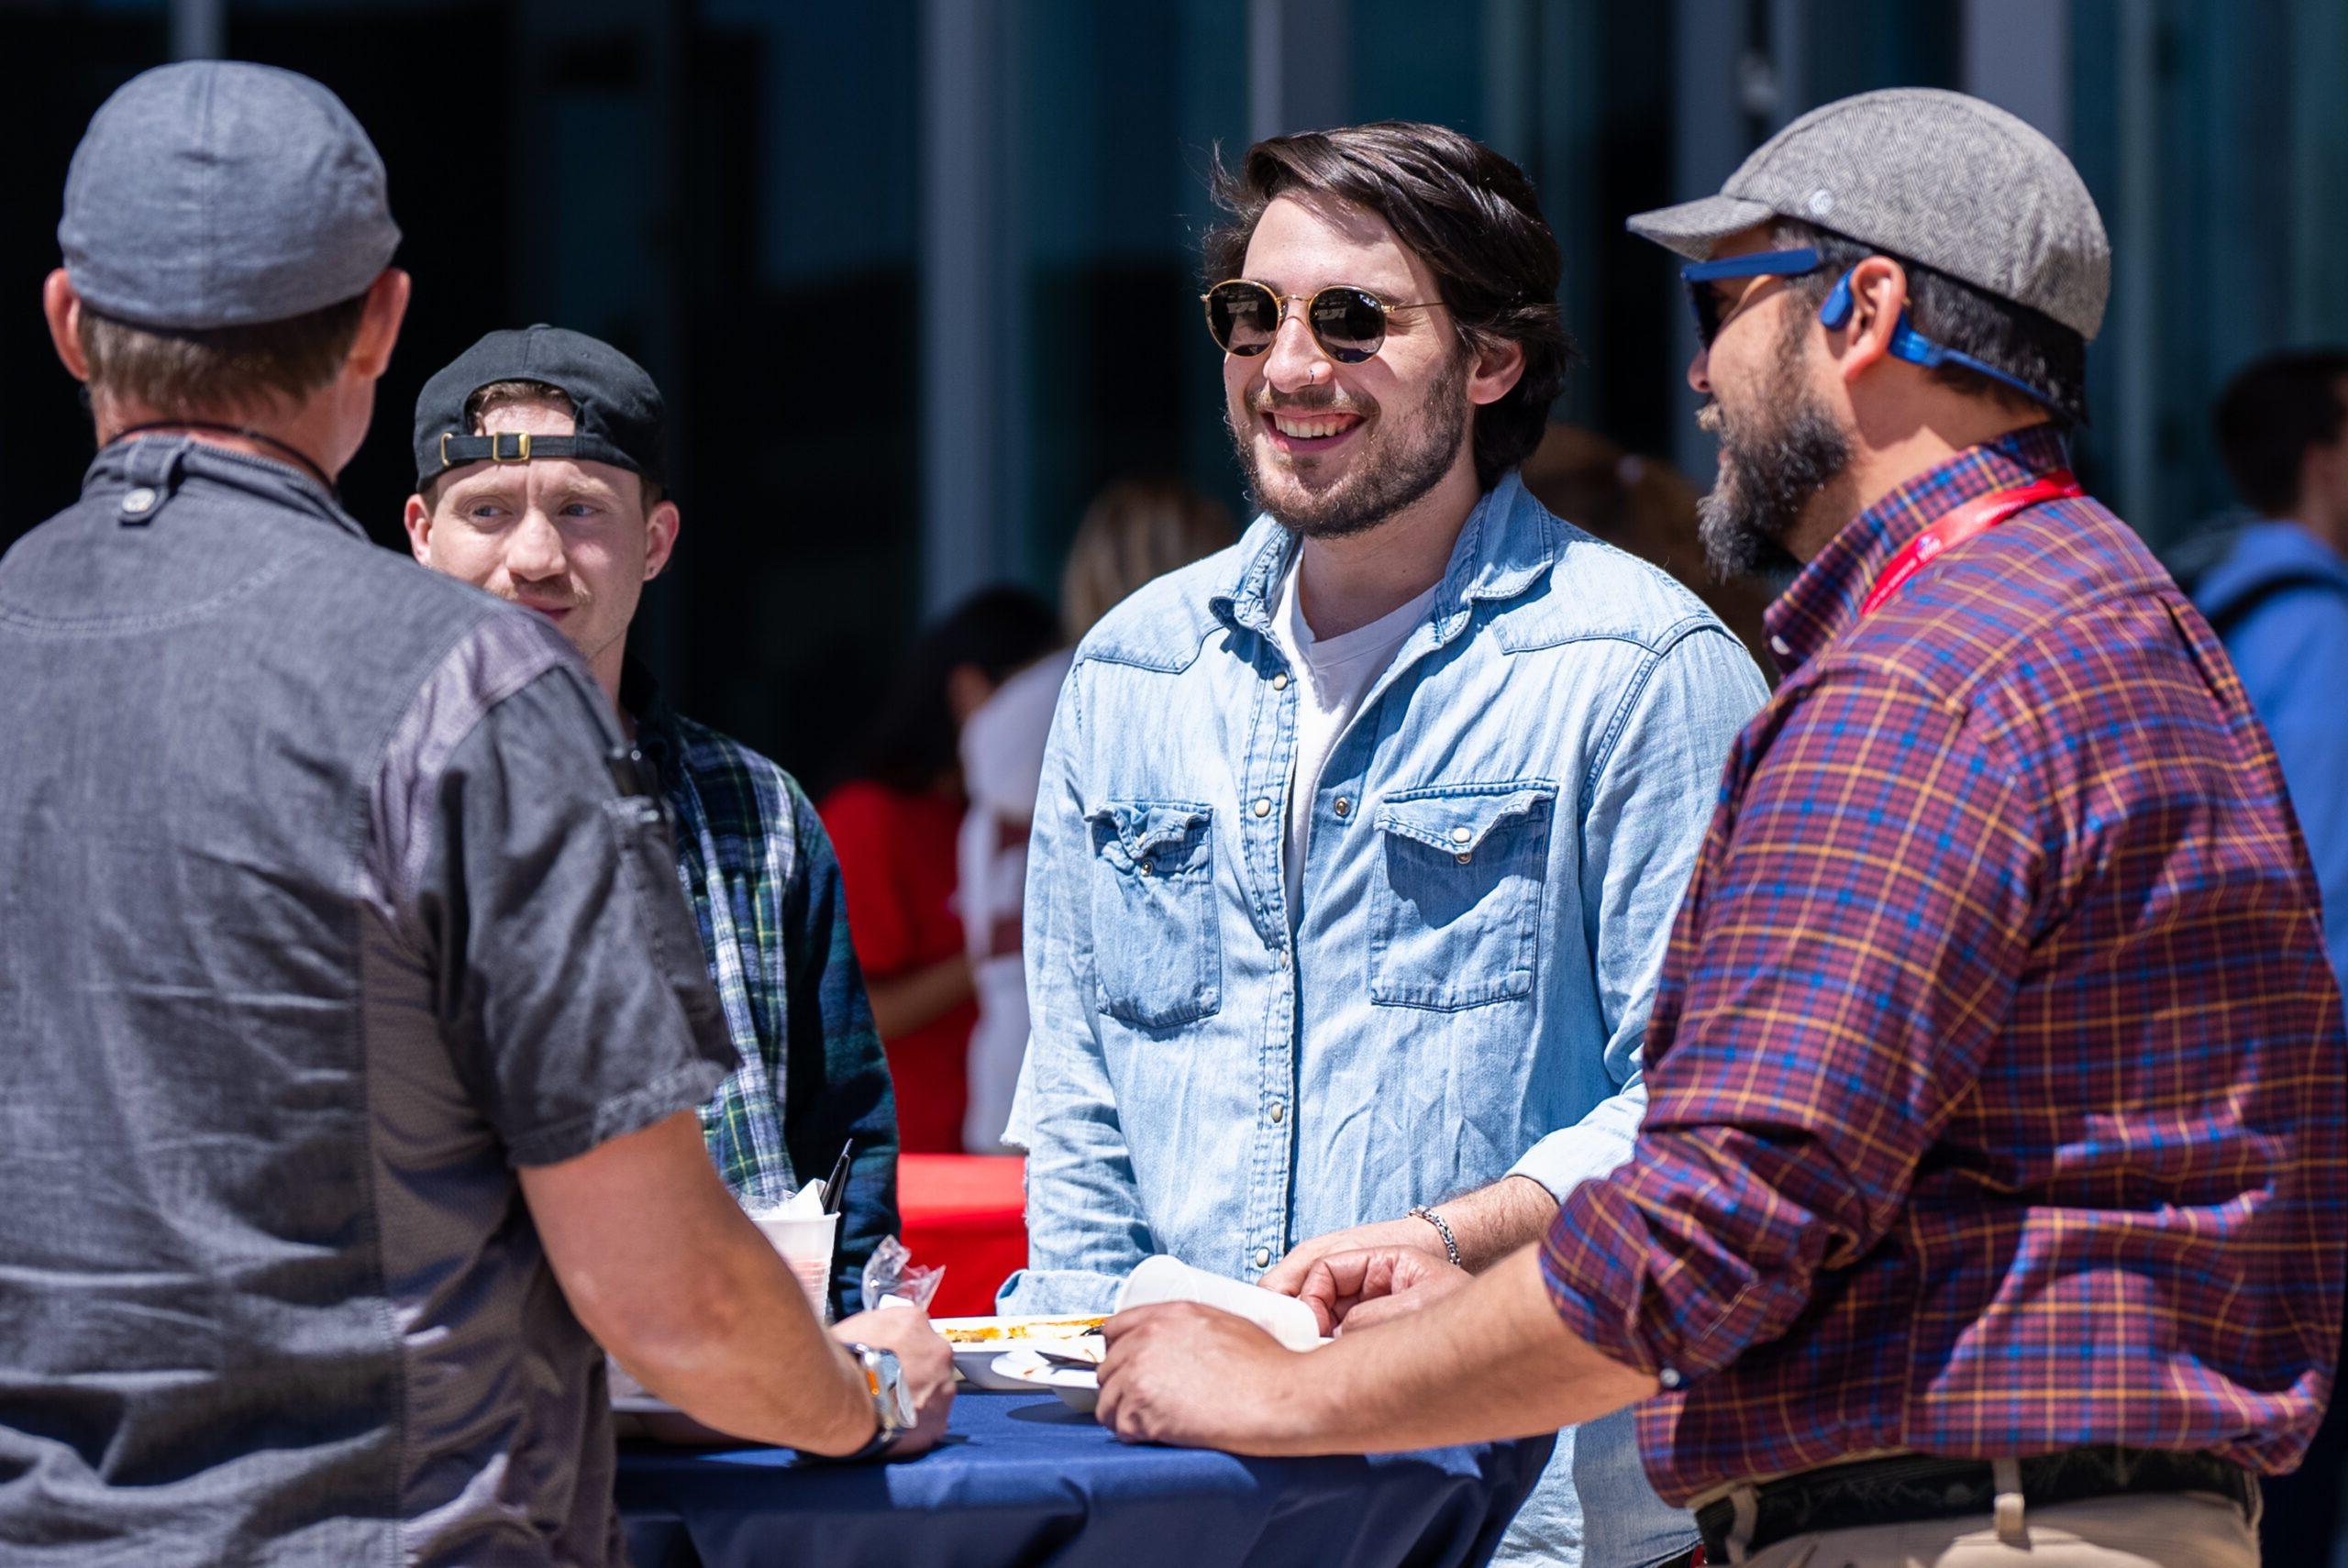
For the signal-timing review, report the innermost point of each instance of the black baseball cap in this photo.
(618, 421)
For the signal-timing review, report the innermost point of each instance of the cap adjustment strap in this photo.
(520, 446)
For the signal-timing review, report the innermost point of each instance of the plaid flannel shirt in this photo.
(1995, 1077)
(758, 871)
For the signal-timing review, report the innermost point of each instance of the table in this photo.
(1023, 1479)
(969, 1213)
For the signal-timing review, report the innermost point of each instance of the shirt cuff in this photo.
(1584, 1152)
(683, 1090)
(1593, 1263)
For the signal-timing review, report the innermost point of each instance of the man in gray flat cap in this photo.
(1988, 1207)
(352, 1018)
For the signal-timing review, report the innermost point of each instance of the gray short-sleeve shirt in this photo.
(321, 907)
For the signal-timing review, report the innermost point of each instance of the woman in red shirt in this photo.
(893, 820)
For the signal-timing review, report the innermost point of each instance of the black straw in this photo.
(835, 1185)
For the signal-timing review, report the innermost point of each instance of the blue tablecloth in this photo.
(1023, 1479)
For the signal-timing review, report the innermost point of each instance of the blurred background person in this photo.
(1135, 530)
(2273, 586)
(1643, 505)
(895, 817)
(2273, 583)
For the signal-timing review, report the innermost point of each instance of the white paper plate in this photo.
(974, 1360)
(1078, 1386)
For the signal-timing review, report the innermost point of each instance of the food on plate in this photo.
(1004, 1332)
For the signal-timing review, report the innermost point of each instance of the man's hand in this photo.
(925, 1358)
(1351, 1291)
(1488, 1224)
(1195, 1377)
(1408, 1234)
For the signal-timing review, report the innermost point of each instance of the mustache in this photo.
(1326, 402)
(1708, 417)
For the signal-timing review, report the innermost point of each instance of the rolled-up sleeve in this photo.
(1853, 936)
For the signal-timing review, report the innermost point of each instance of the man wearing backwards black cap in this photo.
(539, 478)
(1989, 1205)
(325, 909)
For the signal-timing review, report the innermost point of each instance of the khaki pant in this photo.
(2164, 1529)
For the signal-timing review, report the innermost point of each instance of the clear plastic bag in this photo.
(893, 1279)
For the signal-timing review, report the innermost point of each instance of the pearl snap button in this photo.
(1461, 834)
(1263, 808)
(1263, 1257)
(1280, 682)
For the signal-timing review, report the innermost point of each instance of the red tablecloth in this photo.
(969, 1213)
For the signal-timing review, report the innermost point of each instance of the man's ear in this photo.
(660, 537)
(1878, 299)
(1496, 373)
(379, 324)
(417, 520)
(62, 306)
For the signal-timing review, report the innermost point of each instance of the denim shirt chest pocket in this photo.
(1455, 916)
(1158, 956)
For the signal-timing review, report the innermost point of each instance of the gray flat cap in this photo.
(1929, 175)
(217, 193)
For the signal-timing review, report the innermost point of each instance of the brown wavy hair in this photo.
(1466, 211)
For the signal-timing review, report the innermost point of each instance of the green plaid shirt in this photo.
(765, 888)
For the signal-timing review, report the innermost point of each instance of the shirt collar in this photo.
(1507, 542)
(1824, 601)
(161, 460)
(657, 736)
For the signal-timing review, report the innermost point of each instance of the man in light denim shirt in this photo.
(1358, 844)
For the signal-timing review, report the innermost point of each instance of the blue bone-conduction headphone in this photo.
(1907, 343)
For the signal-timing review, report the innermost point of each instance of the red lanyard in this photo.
(1976, 516)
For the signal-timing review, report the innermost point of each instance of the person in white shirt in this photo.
(1135, 530)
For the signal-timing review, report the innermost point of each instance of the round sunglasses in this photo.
(1243, 317)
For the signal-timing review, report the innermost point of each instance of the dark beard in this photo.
(1411, 465)
(1768, 475)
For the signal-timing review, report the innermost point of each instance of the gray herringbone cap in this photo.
(1928, 175)
(217, 193)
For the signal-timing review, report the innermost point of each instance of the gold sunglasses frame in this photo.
(1280, 302)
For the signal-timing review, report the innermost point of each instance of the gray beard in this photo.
(1413, 463)
(1767, 477)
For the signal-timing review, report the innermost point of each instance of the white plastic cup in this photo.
(805, 1243)
(1167, 1278)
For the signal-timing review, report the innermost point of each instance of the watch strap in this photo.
(890, 1421)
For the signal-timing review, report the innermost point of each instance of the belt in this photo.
(1918, 1487)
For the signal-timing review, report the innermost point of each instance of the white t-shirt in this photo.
(1334, 674)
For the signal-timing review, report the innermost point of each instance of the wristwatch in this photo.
(892, 1402)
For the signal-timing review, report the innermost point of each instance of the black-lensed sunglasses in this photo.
(1243, 317)
(1711, 311)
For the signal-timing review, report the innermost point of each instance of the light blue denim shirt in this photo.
(1500, 840)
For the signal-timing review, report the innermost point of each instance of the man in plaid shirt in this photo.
(1988, 1206)
(578, 528)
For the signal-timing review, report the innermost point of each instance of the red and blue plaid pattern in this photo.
(1996, 1074)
